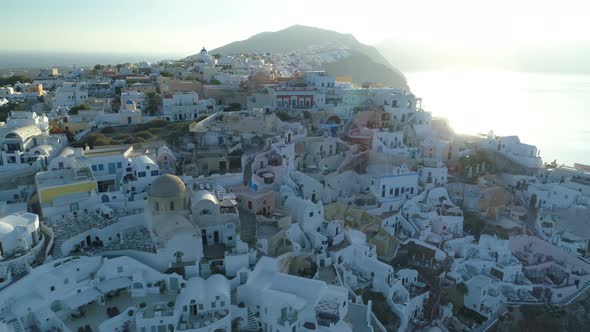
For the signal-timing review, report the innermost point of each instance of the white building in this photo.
(483, 295)
(25, 141)
(319, 79)
(139, 98)
(18, 232)
(129, 113)
(510, 146)
(70, 94)
(285, 303)
(552, 196)
(21, 242)
(567, 229)
(118, 168)
(400, 184)
(433, 175)
(184, 106)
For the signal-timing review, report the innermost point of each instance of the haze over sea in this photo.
(551, 111)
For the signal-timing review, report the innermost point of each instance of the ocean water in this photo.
(551, 111)
(13, 60)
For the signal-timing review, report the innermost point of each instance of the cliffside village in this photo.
(252, 193)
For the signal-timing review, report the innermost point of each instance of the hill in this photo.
(363, 62)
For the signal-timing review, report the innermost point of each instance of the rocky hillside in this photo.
(363, 62)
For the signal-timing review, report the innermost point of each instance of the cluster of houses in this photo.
(303, 203)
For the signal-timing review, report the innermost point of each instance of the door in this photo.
(216, 237)
(112, 168)
(128, 120)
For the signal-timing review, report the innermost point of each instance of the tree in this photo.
(214, 82)
(217, 56)
(154, 100)
(74, 110)
(461, 287)
(233, 107)
(14, 79)
(166, 73)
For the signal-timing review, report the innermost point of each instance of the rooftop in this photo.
(62, 177)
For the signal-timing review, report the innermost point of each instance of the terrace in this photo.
(200, 320)
(116, 303)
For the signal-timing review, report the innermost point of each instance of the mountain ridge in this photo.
(365, 64)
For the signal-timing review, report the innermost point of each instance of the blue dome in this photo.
(129, 102)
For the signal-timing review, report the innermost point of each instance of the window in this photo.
(101, 167)
(230, 238)
(119, 165)
(250, 205)
(141, 174)
(157, 206)
(155, 173)
(74, 207)
(94, 168)
(311, 214)
(171, 206)
(119, 269)
(52, 288)
(66, 281)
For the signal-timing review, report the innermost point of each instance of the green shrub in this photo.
(121, 137)
(144, 134)
(158, 123)
(108, 130)
(134, 140)
(102, 141)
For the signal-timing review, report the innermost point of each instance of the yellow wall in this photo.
(49, 194)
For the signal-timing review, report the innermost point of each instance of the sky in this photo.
(182, 27)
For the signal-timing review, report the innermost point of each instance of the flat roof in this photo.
(62, 177)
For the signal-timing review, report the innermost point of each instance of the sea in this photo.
(19, 59)
(551, 111)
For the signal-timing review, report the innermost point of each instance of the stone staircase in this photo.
(57, 242)
(14, 325)
(569, 298)
(252, 322)
(234, 296)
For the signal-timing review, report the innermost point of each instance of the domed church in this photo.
(168, 194)
(168, 218)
